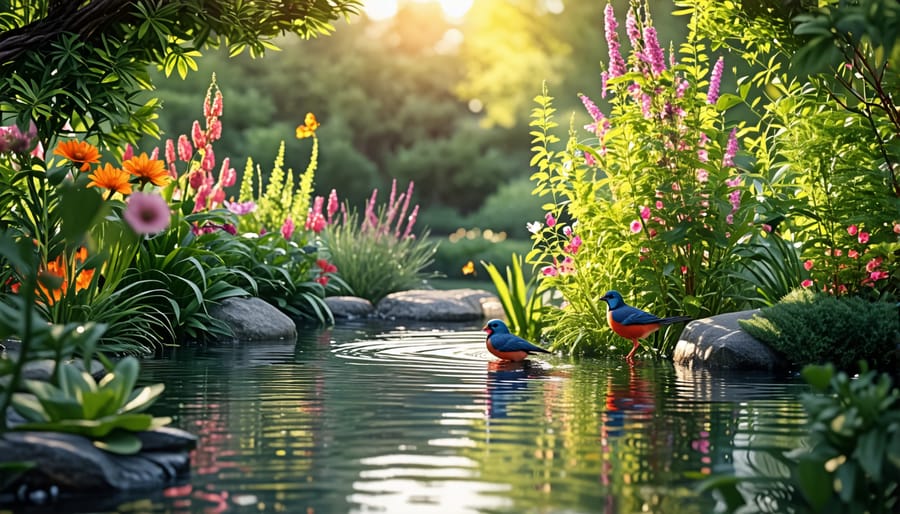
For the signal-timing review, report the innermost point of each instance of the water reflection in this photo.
(422, 419)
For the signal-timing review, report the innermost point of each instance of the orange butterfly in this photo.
(469, 268)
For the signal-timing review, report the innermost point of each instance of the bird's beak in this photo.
(486, 329)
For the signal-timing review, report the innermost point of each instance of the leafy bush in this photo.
(815, 328)
(377, 254)
(852, 462)
(523, 301)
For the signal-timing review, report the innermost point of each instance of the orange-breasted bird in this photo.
(501, 343)
(631, 322)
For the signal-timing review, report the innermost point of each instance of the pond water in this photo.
(369, 418)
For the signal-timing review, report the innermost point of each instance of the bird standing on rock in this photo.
(631, 322)
(501, 343)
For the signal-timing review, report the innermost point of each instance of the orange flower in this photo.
(308, 129)
(59, 270)
(79, 152)
(147, 169)
(111, 178)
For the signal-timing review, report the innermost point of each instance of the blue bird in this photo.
(501, 343)
(631, 322)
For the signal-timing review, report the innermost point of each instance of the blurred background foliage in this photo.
(416, 96)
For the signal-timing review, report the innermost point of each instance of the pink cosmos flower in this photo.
(806, 283)
(808, 265)
(636, 226)
(874, 264)
(659, 204)
(147, 213)
(852, 230)
(879, 275)
(863, 237)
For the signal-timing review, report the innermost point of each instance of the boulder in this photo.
(349, 307)
(71, 463)
(439, 305)
(253, 319)
(718, 342)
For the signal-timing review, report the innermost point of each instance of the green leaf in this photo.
(119, 442)
(818, 376)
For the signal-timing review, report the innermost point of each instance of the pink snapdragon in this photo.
(287, 228)
(731, 149)
(632, 30)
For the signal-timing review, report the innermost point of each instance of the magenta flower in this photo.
(897, 228)
(853, 254)
(636, 226)
(645, 212)
(197, 135)
(185, 150)
(551, 221)
(240, 208)
(852, 230)
(287, 228)
(731, 149)
(715, 79)
(573, 245)
(616, 62)
(702, 175)
(863, 237)
(170, 151)
(332, 207)
(147, 213)
(808, 265)
(549, 271)
(631, 28)
(806, 283)
(653, 53)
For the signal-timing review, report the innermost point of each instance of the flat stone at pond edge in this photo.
(719, 342)
(254, 319)
(440, 305)
(349, 307)
(73, 464)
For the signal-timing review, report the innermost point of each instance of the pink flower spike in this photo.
(170, 151)
(287, 228)
(184, 148)
(731, 149)
(147, 213)
(240, 208)
(332, 207)
(852, 230)
(197, 135)
(863, 237)
(715, 79)
(808, 265)
(806, 283)
(702, 175)
(636, 226)
(653, 53)
(128, 153)
(616, 62)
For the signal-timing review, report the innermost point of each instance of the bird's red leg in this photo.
(630, 356)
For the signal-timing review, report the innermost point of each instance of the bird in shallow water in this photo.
(507, 346)
(631, 322)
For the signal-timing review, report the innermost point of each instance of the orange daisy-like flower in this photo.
(148, 170)
(79, 152)
(112, 178)
(308, 129)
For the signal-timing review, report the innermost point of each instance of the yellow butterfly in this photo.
(308, 129)
(469, 268)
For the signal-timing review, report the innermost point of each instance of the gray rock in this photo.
(438, 305)
(718, 342)
(253, 319)
(72, 463)
(349, 307)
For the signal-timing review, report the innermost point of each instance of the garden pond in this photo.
(380, 418)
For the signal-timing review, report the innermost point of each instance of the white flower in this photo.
(534, 227)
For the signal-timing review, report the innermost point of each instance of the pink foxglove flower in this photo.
(731, 149)
(616, 62)
(715, 80)
(653, 53)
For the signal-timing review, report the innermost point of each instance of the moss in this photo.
(815, 328)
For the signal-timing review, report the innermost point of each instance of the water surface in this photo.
(368, 418)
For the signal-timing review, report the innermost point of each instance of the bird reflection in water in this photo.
(507, 382)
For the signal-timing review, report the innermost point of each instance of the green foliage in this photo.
(852, 462)
(506, 208)
(107, 412)
(772, 265)
(815, 328)
(523, 302)
(377, 254)
(655, 193)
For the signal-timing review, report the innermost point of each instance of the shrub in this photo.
(475, 245)
(814, 328)
(378, 254)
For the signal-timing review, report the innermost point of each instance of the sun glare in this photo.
(384, 9)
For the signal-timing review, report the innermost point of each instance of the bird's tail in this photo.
(674, 319)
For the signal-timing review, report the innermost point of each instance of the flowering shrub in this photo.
(652, 203)
(378, 253)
